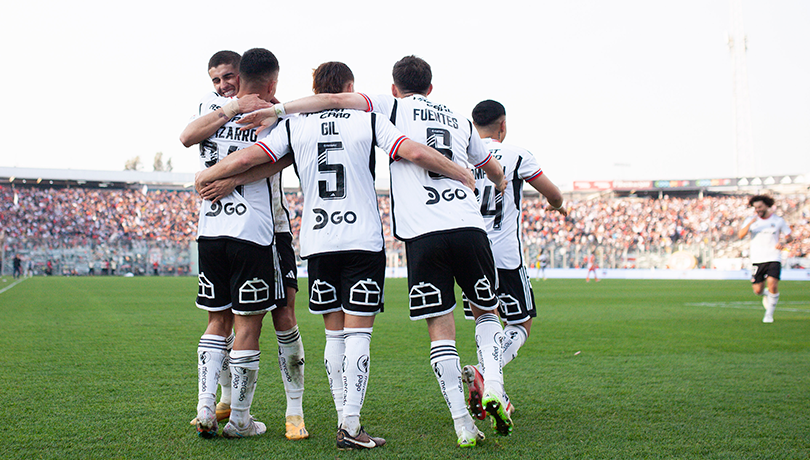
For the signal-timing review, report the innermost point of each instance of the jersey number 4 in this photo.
(490, 196)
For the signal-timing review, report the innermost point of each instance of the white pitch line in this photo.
(749, 305)
(12, 285)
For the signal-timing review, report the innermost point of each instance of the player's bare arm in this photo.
(431, 160)
(494, 172)
(235, 163)
(265, 118)
(221, 188)
(204, 127)
(788, 240)
(744, 229)
(552, 193)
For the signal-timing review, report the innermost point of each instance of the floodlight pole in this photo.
(741, 103)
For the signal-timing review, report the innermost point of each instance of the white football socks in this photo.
(489, 337)
(333, 362)
(291, 364)
(244, 374)
(210, 354)
(447, 368)
(355, 376)
(513, 338)
(225, 373)
(773, 299)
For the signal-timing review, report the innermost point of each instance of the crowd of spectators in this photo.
(70, 217)
(615, 227)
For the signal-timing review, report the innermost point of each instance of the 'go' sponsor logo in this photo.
(229, 209)
(322, 218)
(447, 195)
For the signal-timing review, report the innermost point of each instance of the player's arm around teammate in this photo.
(255, 155)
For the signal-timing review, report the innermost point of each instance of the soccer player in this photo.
(444, 233)
(590, 262)
(503, 217)
(237, 278)
(542, 263)
(341, 232)
(767, 230)
(223, 70)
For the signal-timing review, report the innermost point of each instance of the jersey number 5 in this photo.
(324, 167)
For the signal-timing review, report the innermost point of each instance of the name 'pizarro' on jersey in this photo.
(246, 213)
(336, 170)
(424, 202)
(502, 213)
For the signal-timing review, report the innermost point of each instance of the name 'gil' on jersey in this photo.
(502, 213)
(247, 213)
(423, 202)
(334, 155)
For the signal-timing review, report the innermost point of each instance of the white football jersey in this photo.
(281, 209)
(206, 101)
(765, 235)
(424, 202)
(334, 156)
(502, 213)
(247, 213)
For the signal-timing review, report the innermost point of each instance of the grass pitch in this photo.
(105, 368)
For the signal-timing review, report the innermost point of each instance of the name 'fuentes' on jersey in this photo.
(246, 214)
(423, 202)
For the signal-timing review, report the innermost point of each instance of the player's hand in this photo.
(252, 102)
(563, 212)
(469, 179)
(261, 119)
(502, 186)
(217, 190)
(199, 183)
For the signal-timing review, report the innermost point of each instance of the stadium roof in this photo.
(93, 178)
(774, 182)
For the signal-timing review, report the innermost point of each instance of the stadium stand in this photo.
(128, 230)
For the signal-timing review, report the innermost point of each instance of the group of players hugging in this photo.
(456, 193)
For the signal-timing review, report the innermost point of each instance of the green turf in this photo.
(105, 368)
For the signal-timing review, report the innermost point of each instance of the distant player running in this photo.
(503, 217)
(767, 230)
(590, 262)
(542, 263)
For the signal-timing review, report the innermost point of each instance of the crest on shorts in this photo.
(366, 293)
(425, 295)
(254, 291)
(205, 288)
(322, 293)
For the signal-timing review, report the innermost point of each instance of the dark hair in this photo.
(224, 57)
(331, 77)
(258, 65)
(763, 198)
(412, 75)
(487, 112)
